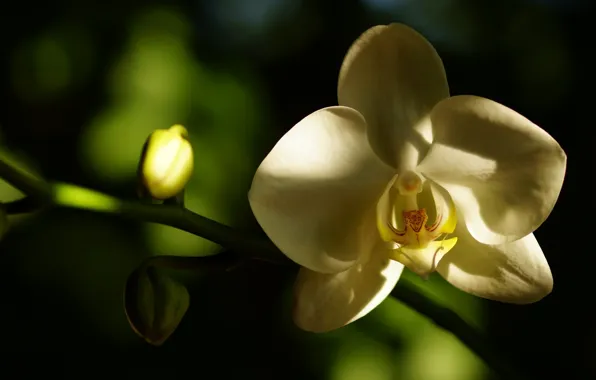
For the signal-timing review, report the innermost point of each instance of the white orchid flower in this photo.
(400, 174)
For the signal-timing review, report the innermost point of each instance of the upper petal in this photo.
(312, 191)
(503, 172)
(394, 77)
(325, 302)
(515, 272)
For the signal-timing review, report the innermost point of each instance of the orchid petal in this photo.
(312, 192)
(385, 215)
(503, 172)
(324, 302)
(515, 272)
(445, 212)
(394, 77)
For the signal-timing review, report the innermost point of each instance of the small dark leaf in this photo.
(154, 304)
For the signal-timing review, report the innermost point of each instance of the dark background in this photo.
(82, 83)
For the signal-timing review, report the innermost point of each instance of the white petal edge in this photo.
(515, 272)
(394, 77)
(325, 302)
(503, 172)
(312, 192)
(385, 214)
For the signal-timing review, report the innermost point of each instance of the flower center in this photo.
(416, 243)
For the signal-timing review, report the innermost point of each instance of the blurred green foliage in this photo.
(159, 83)
(67, 270)
(57, 60)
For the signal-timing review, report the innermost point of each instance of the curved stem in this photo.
(223, 262)
(76, 197)
(449, 320)
(22, 206)
(27, 183)
(72, 196)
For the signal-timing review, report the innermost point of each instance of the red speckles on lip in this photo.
(415, 229)
(436, 223)
(415, 219)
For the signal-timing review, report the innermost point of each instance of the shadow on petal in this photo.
(394, 77)
(325, 302)
(514, 272)
(503, 172)
(312, 192)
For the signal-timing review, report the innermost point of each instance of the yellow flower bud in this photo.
(167, 162)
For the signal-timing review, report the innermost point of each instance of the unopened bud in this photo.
(167, 162)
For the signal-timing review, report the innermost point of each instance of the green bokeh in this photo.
(68, 269)
(158, 83)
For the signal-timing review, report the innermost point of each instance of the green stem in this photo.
(222, 262)
(76, 197)
(449, 320)
(72, 196)
(27, 183)
(22, 206)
